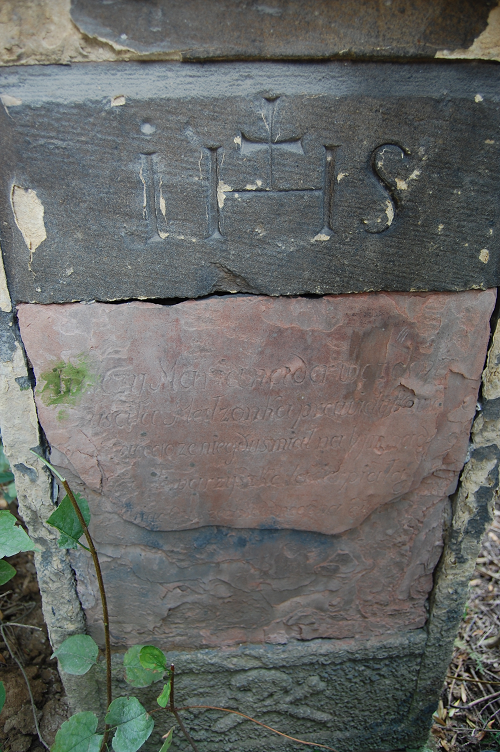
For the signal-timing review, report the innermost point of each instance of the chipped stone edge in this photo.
(57, 39)
(471, 514)
(485, 47)
(20, 431)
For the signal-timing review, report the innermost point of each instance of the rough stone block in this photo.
(122, 182)
(282, 464)
(193, 30)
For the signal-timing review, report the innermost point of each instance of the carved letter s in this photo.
(385, 160)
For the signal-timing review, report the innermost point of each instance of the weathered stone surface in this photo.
(326, 433)
(20, 430)
(485, 47)
(253, 412)
(44, 31)
(323, 691)
(126, 182)
(473, 509)
(280, 29)
(218, 586)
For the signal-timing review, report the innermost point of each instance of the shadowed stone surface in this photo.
(172, 181)
(317, 28)
(220, 586)
(326, 433)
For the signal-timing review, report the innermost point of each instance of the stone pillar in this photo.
(246, 305)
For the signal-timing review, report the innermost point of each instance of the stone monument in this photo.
(246, 306)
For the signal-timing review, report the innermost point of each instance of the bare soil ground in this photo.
(467, 719)
(20, 603)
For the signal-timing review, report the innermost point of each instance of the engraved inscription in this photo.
(213, 208)
(268, 153)
(262, 178)
(258, 412)
(154, 208)
(383, 161)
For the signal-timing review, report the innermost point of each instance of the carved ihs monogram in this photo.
(270, 157)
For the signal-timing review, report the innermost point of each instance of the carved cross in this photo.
(273, 144)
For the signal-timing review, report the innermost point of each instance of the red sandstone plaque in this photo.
(257, 412)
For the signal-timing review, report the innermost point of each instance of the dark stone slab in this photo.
(195, 29)
(166, 181)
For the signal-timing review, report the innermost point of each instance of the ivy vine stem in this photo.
(100, 582)
(174, 710)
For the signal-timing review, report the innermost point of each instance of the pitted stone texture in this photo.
(325, 692)
(252, 412)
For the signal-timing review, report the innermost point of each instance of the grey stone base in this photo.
(353, 695)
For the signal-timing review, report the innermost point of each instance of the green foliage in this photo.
(66, 521)
(2, 695)
(163, 699)
(6, 572)
(133, 724)
(13, 539)
(5, 467)
(135, 673)
(10, 492)
(78, 735)
(168, 740)
(77, 654)
(6, 477)
(152, 658)
(65, 382)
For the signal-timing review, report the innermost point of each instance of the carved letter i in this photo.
(213, 208)
(328, 190)
(153, 201)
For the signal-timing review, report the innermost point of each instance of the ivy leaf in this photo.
(134, 725)
(65, 519)
(78, 734)
(163, 699)
(6, 477)
(152, 658)
(135, 674)
(77, 654)
(168, 740)
(2, 695)
(13, 539)
(6, 572)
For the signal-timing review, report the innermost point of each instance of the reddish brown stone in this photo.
(254, 412)
(331, 429)
(220, 586)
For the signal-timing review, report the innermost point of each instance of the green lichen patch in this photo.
(65, 382)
